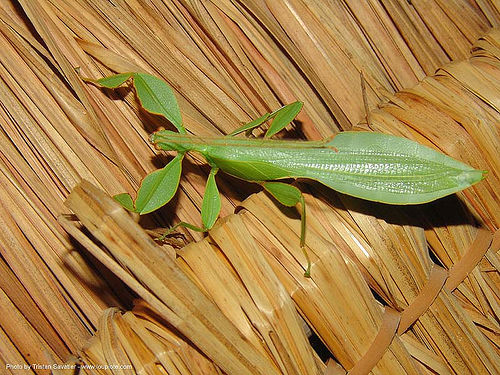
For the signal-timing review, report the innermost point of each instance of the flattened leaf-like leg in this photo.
(210, 208)
(251, 125)
(289, 196)
(211, 205)
(281, 118)
(156, 190)
(159, 187)
(125, 200)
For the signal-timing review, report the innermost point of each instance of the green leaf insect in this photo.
(372, 166)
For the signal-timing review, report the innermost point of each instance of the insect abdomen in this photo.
(378, 175)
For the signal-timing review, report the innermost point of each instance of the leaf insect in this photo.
(372, 166)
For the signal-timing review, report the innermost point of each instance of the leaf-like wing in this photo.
(395, 170)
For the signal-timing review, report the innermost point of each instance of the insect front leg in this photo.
(289, 196)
